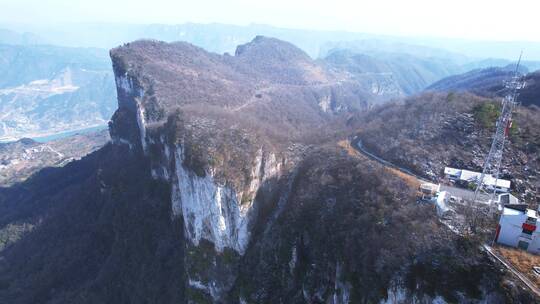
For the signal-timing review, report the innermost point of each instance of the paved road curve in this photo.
(453, 191)
(465, 194)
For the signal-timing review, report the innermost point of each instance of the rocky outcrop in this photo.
(217, 181)
(213, 206)
(217, 212)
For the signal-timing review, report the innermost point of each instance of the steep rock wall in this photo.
(218, 212)
(211, 210)
(130, 97)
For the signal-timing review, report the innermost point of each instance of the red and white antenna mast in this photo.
(493, 160)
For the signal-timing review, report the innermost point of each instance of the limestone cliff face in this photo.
(218, 212)
(213, 210)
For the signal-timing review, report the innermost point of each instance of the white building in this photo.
(501, 185)
(429, 190)
(452, 173)
(517, 228)
(505, 199)
(441, 203)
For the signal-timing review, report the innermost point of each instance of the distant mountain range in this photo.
(411, 70)
(221, 38)
(392, 74)
(382, 47)
(48, 89)
(16, 38)
(486, 81)
(489, 82)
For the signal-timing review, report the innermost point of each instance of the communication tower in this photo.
(492, 163)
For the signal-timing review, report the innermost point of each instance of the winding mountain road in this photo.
(360, 148)
(454, 191)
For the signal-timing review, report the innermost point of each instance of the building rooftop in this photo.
(429, 187)
(519, 209)
(452, 171)
(507, 198)
(472, 176)
(510, 211)
(469, 175)
(501, 183)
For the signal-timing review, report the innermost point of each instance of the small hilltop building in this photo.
(518, 225)
(429, 190)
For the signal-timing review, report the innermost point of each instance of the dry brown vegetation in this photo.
(269, 87)
(522, 261)
(410, 180)
(425, 133)
(346, 145)
(530, 95)
(223, 109)
(347, 209)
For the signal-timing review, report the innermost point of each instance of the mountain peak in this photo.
(160, 78)
(276, 48)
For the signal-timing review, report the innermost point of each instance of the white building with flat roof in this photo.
(518, 228)
(507, 198)
(452, 172)
(500, 185)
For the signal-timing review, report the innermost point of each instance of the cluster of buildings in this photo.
(466, 176)
(518, 225)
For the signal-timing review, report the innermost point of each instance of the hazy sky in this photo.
(478, 19)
